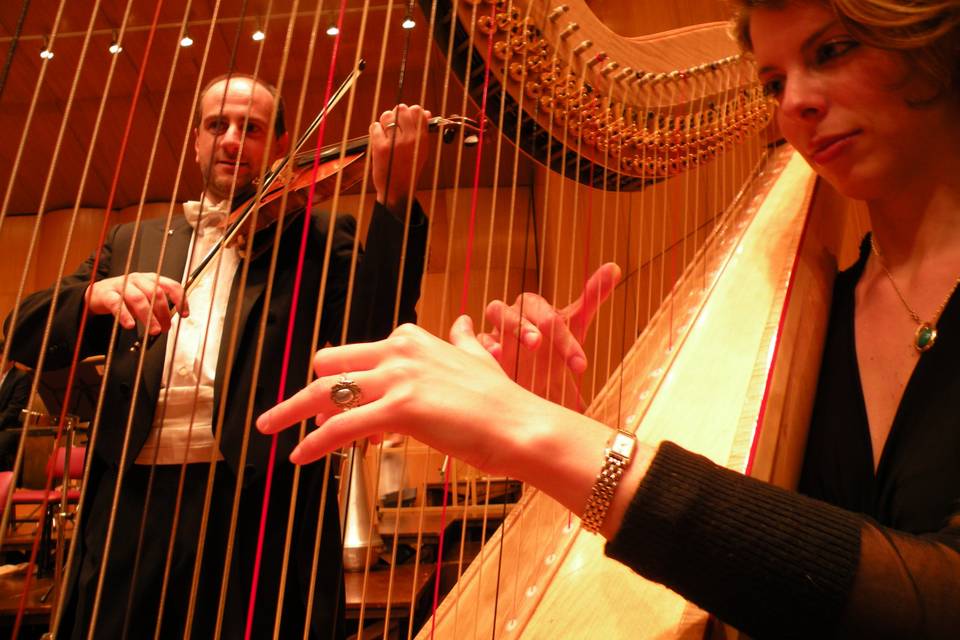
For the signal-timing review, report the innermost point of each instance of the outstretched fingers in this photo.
(320, 398)
(507, 320)
(598, 288)
(340, 429)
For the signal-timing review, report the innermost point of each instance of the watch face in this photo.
(623, 445)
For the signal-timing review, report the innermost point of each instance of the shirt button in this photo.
(183, 371)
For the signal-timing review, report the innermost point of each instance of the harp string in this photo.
(396, 309)
(404, 454)
(205, 344)
(315, 336)
(311, 45)
(47, 327)
(328, 461)
(486, 296)
(288, 347)
(17, 31)
(33, 241)
(142, 352)
(167, 383)
(673, 193)
(32, 244)
(418, 546)
(384, 43)
(463, 300)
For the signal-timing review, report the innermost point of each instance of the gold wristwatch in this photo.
(616, 458)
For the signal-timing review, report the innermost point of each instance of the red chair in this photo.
(55, 467)
(6, 479)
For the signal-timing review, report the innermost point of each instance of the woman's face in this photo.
(844, 105)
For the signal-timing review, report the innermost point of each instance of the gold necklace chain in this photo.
(926, 333)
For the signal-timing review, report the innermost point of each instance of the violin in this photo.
(295, 173)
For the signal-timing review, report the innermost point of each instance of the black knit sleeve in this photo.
(777, 564)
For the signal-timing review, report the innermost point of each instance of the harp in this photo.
(660, 156)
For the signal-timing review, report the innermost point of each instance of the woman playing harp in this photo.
(869, 93)
(173, 413)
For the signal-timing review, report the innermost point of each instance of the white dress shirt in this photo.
(183, 423)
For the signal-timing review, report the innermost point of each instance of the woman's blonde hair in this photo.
(925, 32)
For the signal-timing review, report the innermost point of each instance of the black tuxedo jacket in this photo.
(131, 400)
(371, 318)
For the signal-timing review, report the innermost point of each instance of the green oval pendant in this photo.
(924, 337)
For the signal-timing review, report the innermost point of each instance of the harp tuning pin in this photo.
(597, 59)
(448, 135)
(471, 141)
(557, 12)
(583, 46)
(610, 67)
(569, 30)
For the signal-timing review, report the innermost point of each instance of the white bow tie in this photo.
(210, 216)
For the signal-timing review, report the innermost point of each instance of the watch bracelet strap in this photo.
(603, 489)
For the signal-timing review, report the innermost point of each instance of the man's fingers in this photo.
(119, 309)
(137, 302)
(598, 288)
(174, 292)
(160, 316)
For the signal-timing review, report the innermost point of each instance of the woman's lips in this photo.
(827, 148)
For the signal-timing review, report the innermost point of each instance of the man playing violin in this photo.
(215, 360)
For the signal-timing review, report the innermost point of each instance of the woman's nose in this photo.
(803, 97)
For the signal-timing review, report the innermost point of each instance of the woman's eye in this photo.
(773, 88)
(833, 49)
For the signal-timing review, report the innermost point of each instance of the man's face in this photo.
(232, 137)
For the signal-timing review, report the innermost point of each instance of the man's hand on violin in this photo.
(540, 346)
(130, 304)
(399, 149)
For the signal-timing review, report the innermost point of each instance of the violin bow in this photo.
(269, 178)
